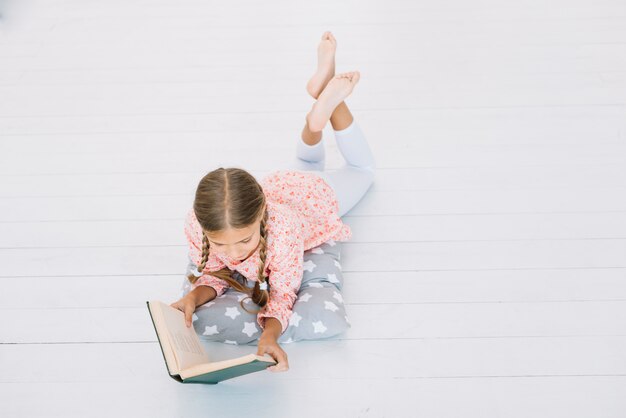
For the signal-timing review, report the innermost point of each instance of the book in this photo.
(185, 358)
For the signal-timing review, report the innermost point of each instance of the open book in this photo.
(185, 358)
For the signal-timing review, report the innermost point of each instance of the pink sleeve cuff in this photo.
(220, 286)
(283, 319)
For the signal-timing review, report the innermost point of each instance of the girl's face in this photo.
(237, 244)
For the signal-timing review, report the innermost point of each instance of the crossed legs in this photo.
(352, 181)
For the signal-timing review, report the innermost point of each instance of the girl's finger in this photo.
(280, 354)
(270, 351)
(283, 364)
(281, 360)
(280, 367)
(267, 350)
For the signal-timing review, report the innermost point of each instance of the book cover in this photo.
(185, 359)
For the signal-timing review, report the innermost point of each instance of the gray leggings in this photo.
(351, 181)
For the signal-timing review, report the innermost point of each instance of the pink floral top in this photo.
(302, 214)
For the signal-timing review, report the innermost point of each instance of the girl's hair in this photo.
(231, 198)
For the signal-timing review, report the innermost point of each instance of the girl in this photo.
(259, 231)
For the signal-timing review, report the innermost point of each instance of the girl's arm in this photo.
(268, 344)
(188, 303)
(273, 328)
(203, 294)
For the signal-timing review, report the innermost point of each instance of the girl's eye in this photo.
(245, 242)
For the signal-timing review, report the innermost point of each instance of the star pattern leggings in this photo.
(319, 311)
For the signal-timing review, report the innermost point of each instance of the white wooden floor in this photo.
(487, 272)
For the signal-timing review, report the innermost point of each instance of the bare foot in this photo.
(325, 65)
(335, 92)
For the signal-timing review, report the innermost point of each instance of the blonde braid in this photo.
(203, 259)
(260, 297)
(224, 274)
(205, 252)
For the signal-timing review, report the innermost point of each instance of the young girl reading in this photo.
(251, 236)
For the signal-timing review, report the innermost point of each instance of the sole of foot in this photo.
(325, 65)
(335, 92)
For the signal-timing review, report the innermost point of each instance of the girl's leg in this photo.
(354, 179)
(310, 151)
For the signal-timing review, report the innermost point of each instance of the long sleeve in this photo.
(193, 233)
(285, 277)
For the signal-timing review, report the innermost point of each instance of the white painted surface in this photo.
(498, 215)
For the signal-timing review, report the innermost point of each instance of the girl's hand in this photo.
(268, 344)
(187, 305)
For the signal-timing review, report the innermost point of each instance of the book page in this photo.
(183, 341)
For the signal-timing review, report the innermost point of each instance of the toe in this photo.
(325, 35)
(356, 77)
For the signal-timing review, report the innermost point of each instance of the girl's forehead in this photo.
(231, 235)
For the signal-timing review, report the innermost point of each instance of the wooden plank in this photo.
(400, 179)
(430, 358)
(392, 229)
(373, 257)
(369, 321)
(464, 126)
(284, 158)
(351, 397)
(419, 287)
(212, 97)
(374, 203)
(273, 76)
(492, 11)
(503, 126)
(406, 35)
